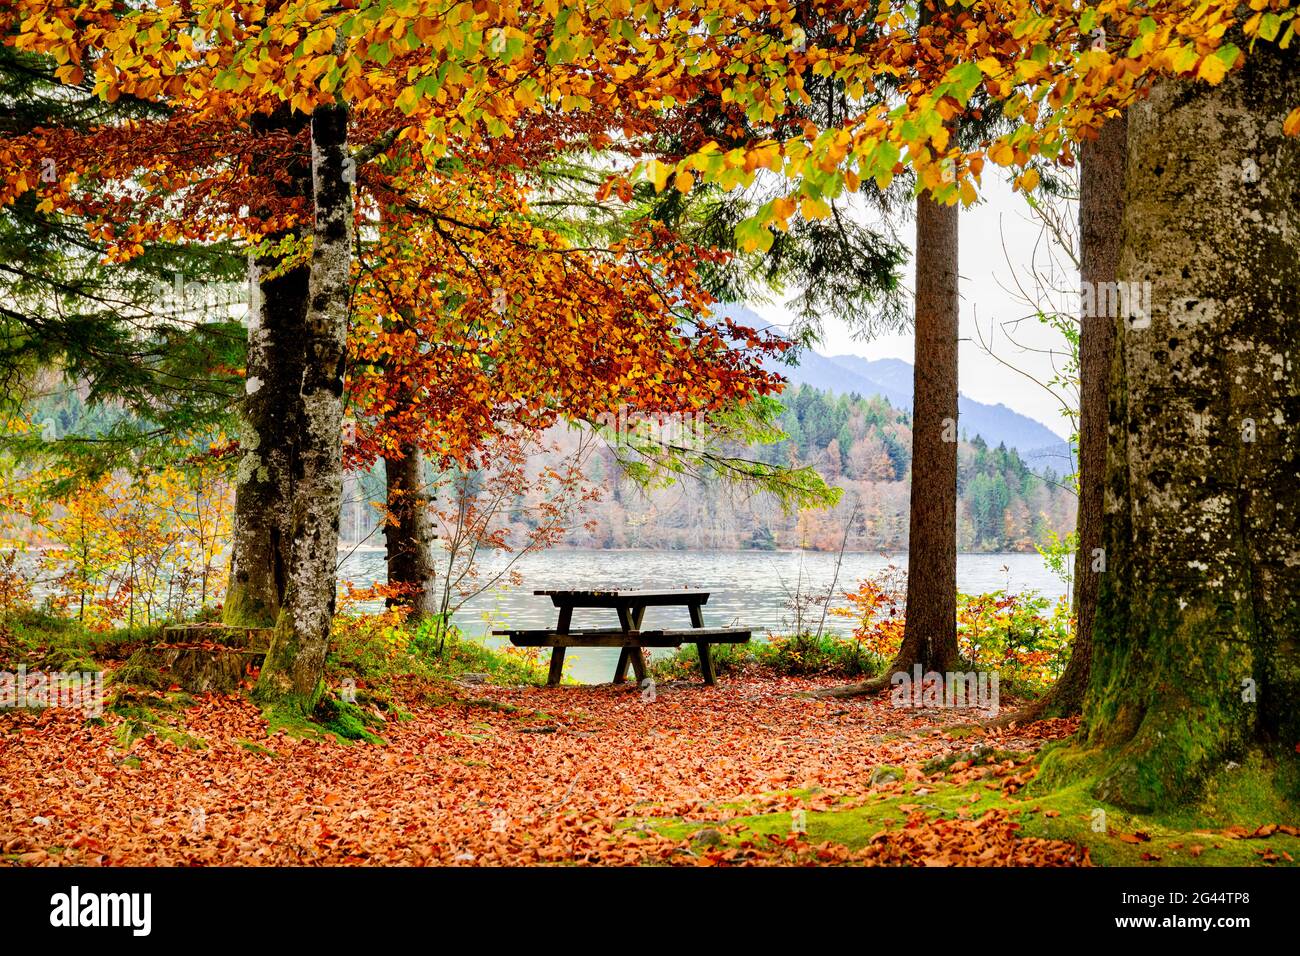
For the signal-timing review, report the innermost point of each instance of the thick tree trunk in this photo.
(1196, 658)
(277, 309)
(408, 534)
(259, 550)
(930, 628)
(295, 662)
(1101, 214)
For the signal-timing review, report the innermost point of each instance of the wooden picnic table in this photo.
(630, 605)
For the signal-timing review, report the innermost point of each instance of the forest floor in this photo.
(747, 772)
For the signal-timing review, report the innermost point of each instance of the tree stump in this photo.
(200, 658)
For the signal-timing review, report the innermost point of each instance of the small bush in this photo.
(802, 655)
(1024, 637)
(382, 646)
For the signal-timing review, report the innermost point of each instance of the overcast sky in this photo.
(989, 294)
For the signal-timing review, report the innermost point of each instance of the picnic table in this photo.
(630, 606)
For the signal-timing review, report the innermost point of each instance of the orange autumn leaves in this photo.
(466, 317)
(449, 76)
(470, 319)
(465, 778)
(493, 321)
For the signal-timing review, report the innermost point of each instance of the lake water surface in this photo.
(746, 588)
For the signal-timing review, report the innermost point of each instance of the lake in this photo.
(747, 588)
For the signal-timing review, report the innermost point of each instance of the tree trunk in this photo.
(277, 310)
(1101, 214)
(259, 550)
(1196, 659)
(295, 662)
(408, 533)
(930, 628)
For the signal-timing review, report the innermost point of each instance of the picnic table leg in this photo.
(637, 657)
(557, 667)
(557, 653)
(705, 655)
(633, 656)
(706, 663)
(630, 620)
(697, 616)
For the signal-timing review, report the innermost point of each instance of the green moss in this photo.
(1071, 813)
(136, 672)
(344, 721)
(1261, 789)
(142, 713)
(254, 747)
(69, 660)
(292, 723)
(976, 757)
(239, 610)
(139, 725)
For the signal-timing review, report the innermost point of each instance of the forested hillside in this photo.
(859, 444)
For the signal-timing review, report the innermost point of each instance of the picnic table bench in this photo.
(630, 605)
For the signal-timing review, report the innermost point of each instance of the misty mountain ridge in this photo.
(891, 379)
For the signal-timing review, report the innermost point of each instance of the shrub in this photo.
(388, 644)
(1025, 637)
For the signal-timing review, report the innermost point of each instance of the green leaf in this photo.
(963, 81)
(1228, 54)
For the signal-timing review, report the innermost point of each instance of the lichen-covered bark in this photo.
(259, 551)
(1196, 657)
(295, 663)
(408, 534)
(930, 632)
(277, 310)
(1101, 212)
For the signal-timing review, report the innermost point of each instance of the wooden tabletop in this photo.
(611, 597)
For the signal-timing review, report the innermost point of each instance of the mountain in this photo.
(862, 445)
(891, 379)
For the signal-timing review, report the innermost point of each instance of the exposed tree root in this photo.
(873, 686)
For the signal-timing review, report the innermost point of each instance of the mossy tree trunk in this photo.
(277, 309)
(408, 533)
(295, 662)
(1197, 636)
(1101, 214)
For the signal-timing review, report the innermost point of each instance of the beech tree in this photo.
(274, 363)
(1194, 662)
(295, 661)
